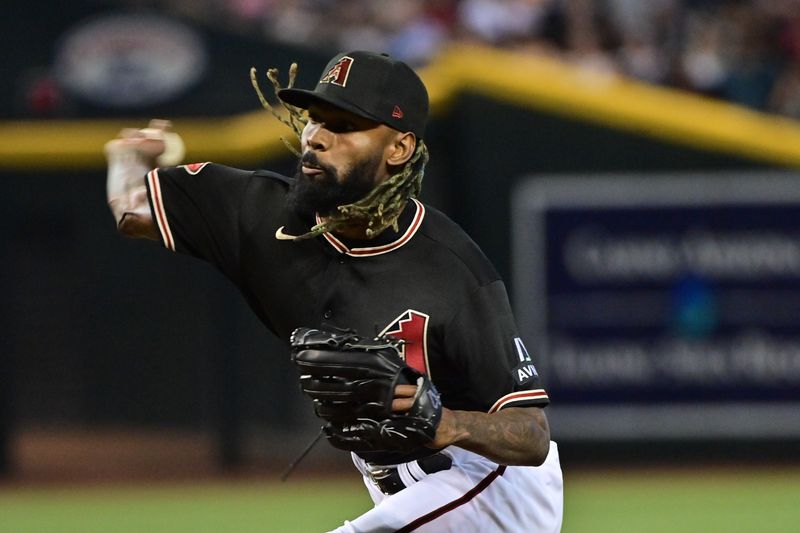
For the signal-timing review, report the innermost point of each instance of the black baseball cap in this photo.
(372, 86)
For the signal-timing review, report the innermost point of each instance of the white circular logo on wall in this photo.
(130, 60)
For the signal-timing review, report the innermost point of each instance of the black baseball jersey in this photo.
(428, 283)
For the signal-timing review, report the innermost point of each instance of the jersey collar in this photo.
(389, 240)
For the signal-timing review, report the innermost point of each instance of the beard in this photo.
(326, 191)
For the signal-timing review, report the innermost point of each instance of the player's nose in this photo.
(317, 137)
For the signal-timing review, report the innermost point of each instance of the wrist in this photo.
(128, 156)
(455, 425)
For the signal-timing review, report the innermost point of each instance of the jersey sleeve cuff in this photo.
(157, 207)
(527, 398)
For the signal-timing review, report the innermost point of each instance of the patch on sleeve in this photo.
(524, 372)
(194, 168)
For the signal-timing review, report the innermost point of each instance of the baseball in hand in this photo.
(165, 147)
(174, 149)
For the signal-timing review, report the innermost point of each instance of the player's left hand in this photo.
(352, 381)
(448, 431)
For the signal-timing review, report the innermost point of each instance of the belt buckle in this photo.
(379, 472)
(386, 478)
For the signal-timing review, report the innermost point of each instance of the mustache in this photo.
(310, 159)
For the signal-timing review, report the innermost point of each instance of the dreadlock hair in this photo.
(383, 205)
(297, 118)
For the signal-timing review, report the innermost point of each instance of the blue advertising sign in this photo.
(663, 305)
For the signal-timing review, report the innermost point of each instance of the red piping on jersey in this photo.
(436, 513)
(158, 204)
(516, 397)
(378, 250)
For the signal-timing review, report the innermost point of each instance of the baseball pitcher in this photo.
(398, 325)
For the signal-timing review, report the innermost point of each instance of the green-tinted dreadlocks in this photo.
(297, 118)
(381, 207)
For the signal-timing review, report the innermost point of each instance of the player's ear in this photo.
(402, 148)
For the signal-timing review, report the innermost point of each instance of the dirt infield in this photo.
(125, 455)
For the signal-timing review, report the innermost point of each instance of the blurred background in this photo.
(631, 168)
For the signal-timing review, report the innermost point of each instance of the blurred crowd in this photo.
(745, 51)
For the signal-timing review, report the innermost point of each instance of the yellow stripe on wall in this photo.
(675, 116)
(528, 81)
(78, 144)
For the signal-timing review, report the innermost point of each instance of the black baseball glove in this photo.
(352, 379)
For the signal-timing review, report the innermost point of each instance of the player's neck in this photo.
(355, 233)
(358, 230)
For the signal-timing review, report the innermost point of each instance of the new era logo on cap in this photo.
(397, 112)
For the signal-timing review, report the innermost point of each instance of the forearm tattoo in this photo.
(511, 436)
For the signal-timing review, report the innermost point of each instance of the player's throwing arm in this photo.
(130, 157)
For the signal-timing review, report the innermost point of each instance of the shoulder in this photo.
(273, 177)
(447, 235)
(222, 178)
(215, 171)
(205, 170)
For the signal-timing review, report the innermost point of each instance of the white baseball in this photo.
(174, 148)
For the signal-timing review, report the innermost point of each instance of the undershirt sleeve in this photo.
(196, 209)
(484, 339)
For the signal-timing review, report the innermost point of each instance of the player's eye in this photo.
(340, 126)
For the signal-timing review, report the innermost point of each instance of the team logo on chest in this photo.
(412, 327)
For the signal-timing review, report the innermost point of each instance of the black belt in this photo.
(388, 479)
